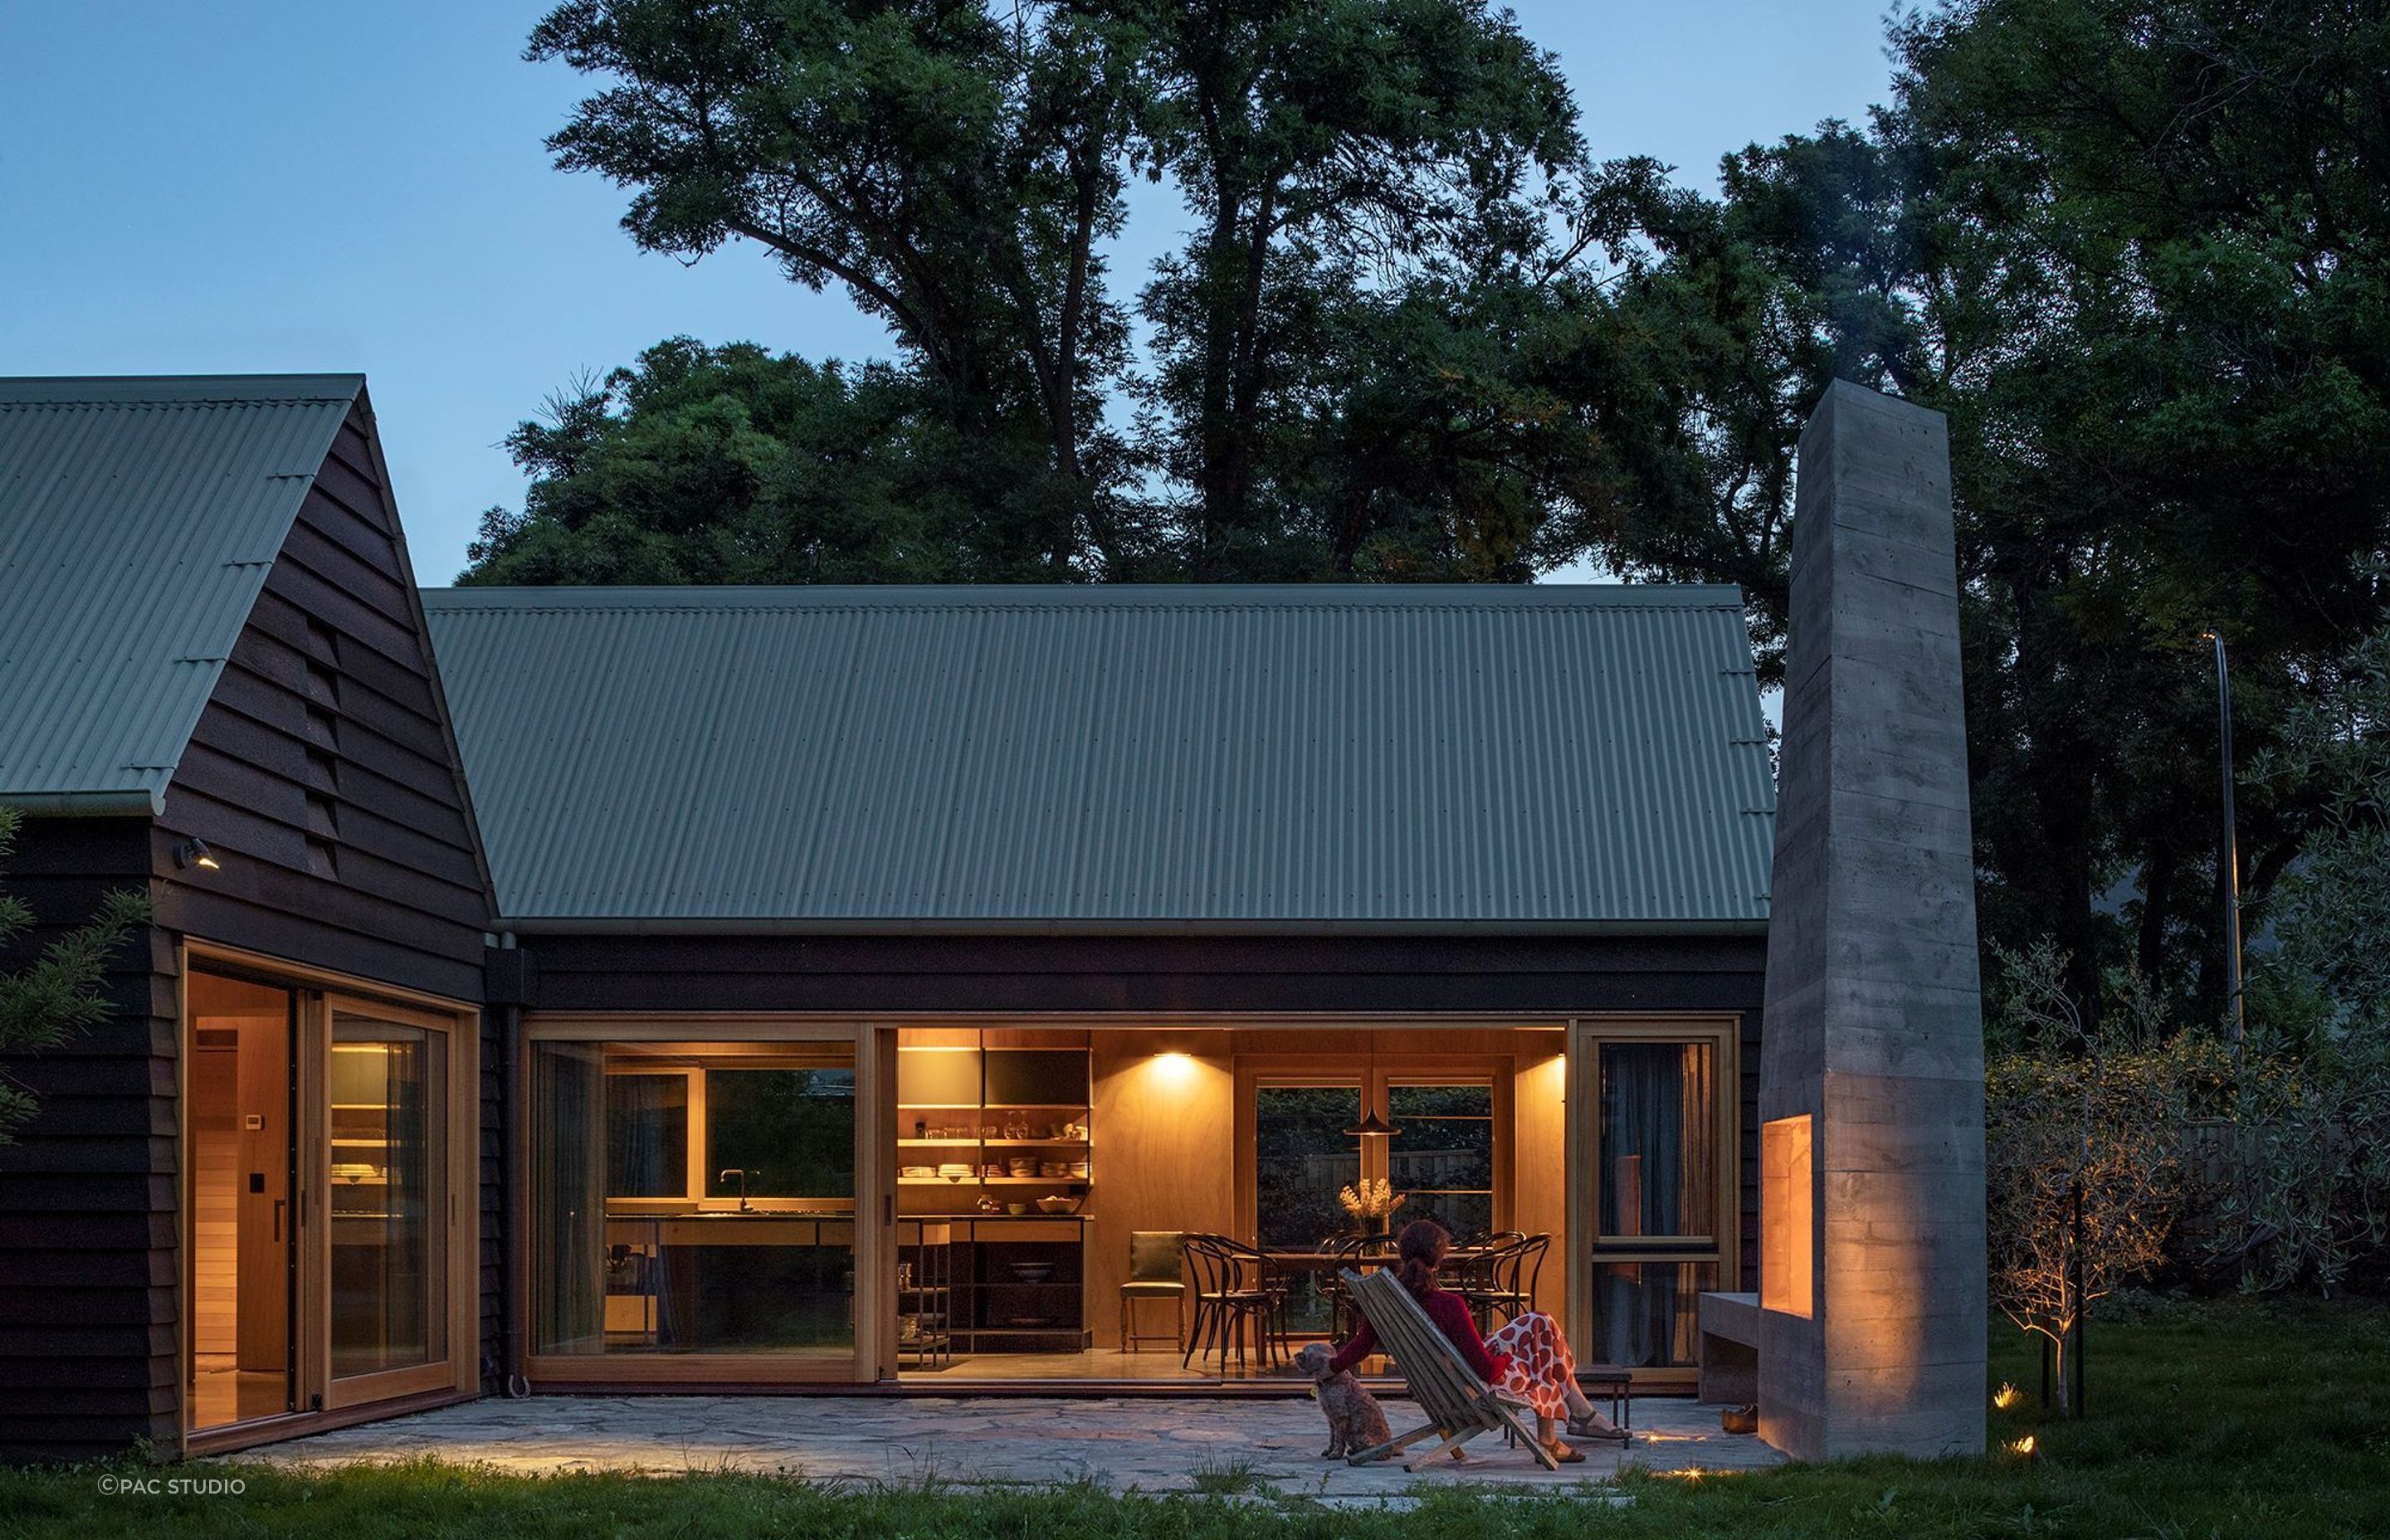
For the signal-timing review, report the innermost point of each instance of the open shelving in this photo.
(987, 1302)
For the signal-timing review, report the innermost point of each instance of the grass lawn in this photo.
(2227, 1420)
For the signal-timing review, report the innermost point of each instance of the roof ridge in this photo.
(764, 598)
(175, 390)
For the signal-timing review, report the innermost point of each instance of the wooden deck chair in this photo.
(1458, 1404)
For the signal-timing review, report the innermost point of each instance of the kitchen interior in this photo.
(995, 1169)
(724, 1174)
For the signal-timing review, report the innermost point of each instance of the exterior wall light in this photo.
(195, 852)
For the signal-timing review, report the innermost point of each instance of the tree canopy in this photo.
(1417, 331)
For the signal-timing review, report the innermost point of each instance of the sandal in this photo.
(1583, 1427)
(1564, 1454)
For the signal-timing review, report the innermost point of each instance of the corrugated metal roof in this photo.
(988, 758)
(137, 520)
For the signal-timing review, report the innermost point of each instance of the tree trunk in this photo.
(2157, 893)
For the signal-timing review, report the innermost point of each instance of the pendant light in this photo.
(1371, 1126)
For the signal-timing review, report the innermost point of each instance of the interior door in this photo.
(240, 1194)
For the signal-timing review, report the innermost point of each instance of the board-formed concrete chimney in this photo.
(1872, 1287)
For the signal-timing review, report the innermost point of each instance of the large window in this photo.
(694, 1199)
(790, 1131)
(1658, 1173)
(1303, 1156)
(1442, 1155)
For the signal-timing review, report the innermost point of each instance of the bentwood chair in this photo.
(1471, 1271)
(1232, 1292)
(1513, 1275)
(1155, 1273)
(1357, 1253)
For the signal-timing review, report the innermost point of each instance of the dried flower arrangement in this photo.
(1371, 1198)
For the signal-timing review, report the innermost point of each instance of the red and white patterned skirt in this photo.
(1540, 1364)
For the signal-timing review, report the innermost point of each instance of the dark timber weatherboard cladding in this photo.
(1541, 976)
(87, 1195)
(322, 771)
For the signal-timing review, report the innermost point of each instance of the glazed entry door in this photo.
(329, 1136)
(390, 1236)
(1651, 1184)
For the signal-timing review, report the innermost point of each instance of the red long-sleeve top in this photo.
(1450, 1314)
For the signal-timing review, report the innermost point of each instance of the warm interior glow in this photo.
(1787, 1236)
(1174, 1071)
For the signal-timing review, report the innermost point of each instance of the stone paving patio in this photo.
(1153, 1446)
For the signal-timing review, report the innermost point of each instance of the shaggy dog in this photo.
(1355, 1423)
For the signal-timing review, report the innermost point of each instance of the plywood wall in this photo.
(1539, 1158)
(1167, 1149)
(1164, 1126)
(215, 1204)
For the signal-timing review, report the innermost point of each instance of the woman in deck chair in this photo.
(1527, 1361)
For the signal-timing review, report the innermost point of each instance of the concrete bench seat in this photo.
(1729, 1350)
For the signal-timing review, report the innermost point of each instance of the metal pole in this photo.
(2231, 854)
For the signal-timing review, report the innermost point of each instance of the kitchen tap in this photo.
(739, 1172)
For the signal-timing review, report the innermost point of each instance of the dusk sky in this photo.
(259, 187)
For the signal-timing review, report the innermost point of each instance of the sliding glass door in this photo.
(395, 1153)
(391, 1206)
(327, 1139)
(695, 1212)
(1651, 1187)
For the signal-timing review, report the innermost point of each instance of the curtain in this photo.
(568, 1199)
(1696, 1180)
(1657, 1178)
(1657, 1118)
(647, 1135)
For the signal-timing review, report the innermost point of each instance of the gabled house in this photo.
(868, 987)
(216, 688)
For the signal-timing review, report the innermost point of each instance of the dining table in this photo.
(1314, 1304)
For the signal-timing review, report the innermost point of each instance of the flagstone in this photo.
(1269, 1447)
